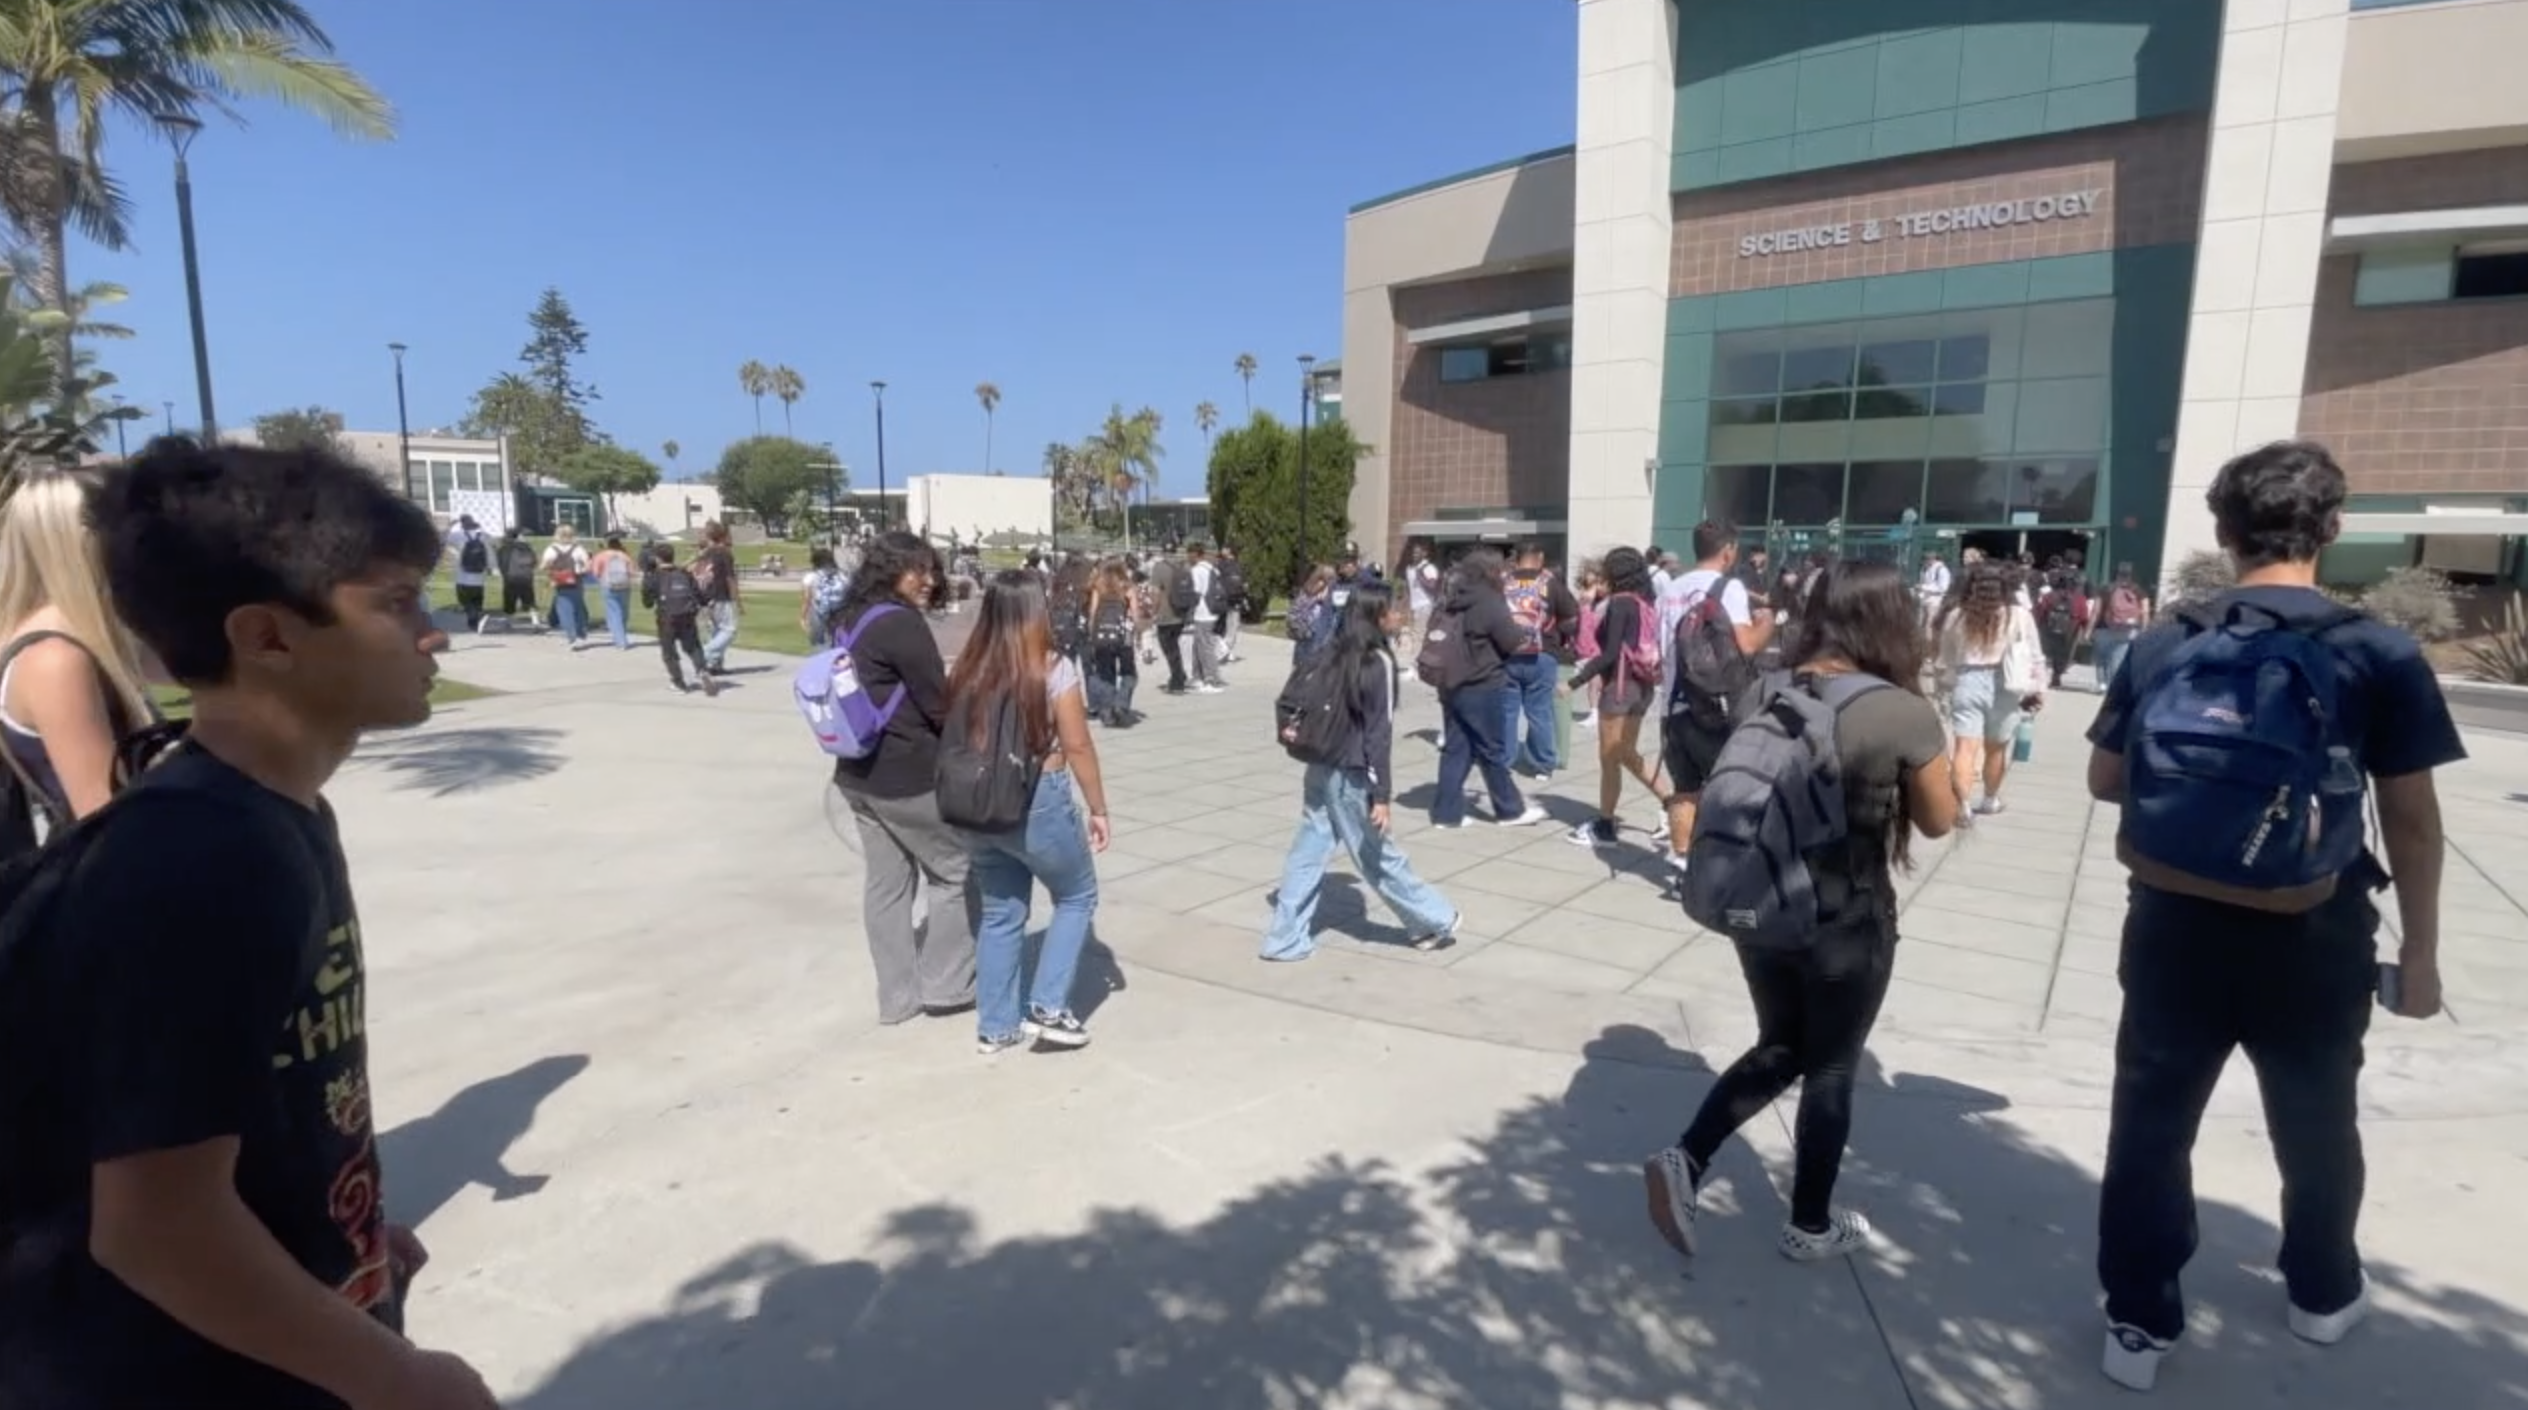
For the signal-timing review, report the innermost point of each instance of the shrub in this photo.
(2418, 599)
(2201, 576)
(2502, 658)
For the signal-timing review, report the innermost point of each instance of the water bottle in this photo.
(2023, 739)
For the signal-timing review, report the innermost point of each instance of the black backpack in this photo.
(674, 592)
(1447, 660)
(475, 556)
(1113, 629)
(990, 787)
(1712, 673)
(1181, 597)
(1070, 625)
(1775, 801)
(1317, 714)
(1231, 576)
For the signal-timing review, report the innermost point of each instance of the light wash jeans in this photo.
(619, 616)
(570, 608)
(1052, 848)
(722, 617)
(1530, 698)
(1334, 807)
(2107, 648)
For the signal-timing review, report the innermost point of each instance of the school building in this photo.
(1878, 275)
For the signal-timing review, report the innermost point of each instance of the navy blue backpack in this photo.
(2240, 784)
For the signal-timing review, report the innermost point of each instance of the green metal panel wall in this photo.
(1766, 89)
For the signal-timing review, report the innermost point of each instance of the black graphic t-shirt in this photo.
(198, 977)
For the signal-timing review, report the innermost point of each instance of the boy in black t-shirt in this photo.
(2206, 972)
(190, 1194)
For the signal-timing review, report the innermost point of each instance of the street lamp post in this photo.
(169, 423)
(403, 422)
(878, 390)
(122, 448)
(1307, 397)
(181, 130)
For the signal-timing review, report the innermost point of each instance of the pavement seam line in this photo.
(2063, 927)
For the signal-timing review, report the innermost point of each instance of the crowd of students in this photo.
(190, 1192)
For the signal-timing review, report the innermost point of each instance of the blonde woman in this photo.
(70, 675)
(1990, 672)
(566, 567)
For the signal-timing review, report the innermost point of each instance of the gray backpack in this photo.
(1774, 798)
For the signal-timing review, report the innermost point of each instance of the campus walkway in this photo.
(625, 1051)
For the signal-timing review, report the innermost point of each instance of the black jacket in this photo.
(898, 649)
(1371, 748)
(1491, 635)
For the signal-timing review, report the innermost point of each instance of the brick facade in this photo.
(2148, 176)
(2421, 398)
(1499, 441)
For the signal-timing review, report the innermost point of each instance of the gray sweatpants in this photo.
(903, 840)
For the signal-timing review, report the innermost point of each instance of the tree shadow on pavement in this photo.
(1519, 1273)
(466, 1141)
(451, 761)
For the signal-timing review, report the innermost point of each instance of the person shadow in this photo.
(430, 1159)
(1515, 1270)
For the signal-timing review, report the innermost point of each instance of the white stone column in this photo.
(2264, 227)
(1622, 218)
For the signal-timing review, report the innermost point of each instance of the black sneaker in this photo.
(1055, 1030)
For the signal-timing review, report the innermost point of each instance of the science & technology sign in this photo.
(1947, 220)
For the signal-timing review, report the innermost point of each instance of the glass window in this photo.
(2067, 339)
(1747, 364)
(1986, 432)
(1899, 364)
(1552, 354)
(1883, 490)
(442, 480)
(2070, 414)
(2404, 276)
(1817, 368)
(1506, 359)
(417, 481)
(1967, 492)
(1465, 364)
(2490, 276)
(1818, 406)
(1958, 399)
(1808, 494)
(2060, 491)
(1738, 494)
(1879, 403)
(469, 474)
(1967, 357)
(1746, 411)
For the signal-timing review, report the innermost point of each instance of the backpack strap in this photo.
(1840, 690)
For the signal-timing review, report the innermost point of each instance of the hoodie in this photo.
(1490, 632)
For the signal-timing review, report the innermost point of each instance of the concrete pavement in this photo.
(624, 1037)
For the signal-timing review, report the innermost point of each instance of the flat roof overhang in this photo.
(2460, 226)
(1490, 327)
(2491, 523)
(1481, 528)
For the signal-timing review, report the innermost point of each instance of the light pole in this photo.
(878, 390)
(181, 130)
(403, 423)
(170, 422)
(1307, 398)
(122, 448)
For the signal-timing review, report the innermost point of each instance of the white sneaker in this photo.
(1534, 815)
(2133, 1357)
(1662, 832)
(2332, 1327)
(1668, 1181)
(1207, 688)
(1846, 1233)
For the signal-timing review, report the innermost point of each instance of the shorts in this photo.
(1689, 751)
(1976, 709)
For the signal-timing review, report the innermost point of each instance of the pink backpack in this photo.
(1585, 644)
(1641, 661)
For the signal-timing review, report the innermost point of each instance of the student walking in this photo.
(2062, 616)
(1346, 795)
(821, 593)
(1471, 635)
(1202, 618)
(2273, 949)
(677, 599)
(472, 551)
(1547, 617)
(2123, 614)
(1113, 624)
(903, 840)
(565, 566)
(71, 683)
(1010, 664)
(613, 572)
(1713, 631)
(518, 561)
(189, 1192)
(1626, 671)
(1236, 608)
(715, 572)
(1990, 670)
(1172, 596)
(1817, 994)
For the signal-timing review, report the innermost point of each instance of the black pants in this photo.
(1113, 676)
(517, 595)
(1170, 635)
(469, 600)
(1814, 1012)
(2200, 980)
(681, 632)
(2058, 655)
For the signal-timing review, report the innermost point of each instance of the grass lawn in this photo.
(176, 703)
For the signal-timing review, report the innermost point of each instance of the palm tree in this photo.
(988, 393)
(671, 450)
(786, 383)
(1206, 420)
(755, 380)
(1123, 454)
(1246, 375)
(71, 64)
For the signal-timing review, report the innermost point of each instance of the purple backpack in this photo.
(845, 720)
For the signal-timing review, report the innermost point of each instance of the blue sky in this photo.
(1085, 201)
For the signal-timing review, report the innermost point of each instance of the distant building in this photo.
(979, 506)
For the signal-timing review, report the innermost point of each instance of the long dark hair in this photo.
(1626, 571)
(1985, 599)
(883, 564)
(1861, 614)
(1011, 651)
(1360, 634)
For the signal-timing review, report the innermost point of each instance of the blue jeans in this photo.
(2107, 648)
(1052, 848)
(1471, 721)
(571, 610)
(722, 617)
(1334, 807)
(1531, 696)
(619, 616)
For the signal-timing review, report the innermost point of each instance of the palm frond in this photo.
(273, 67)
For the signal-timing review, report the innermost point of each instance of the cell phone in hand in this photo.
(2392, 988)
